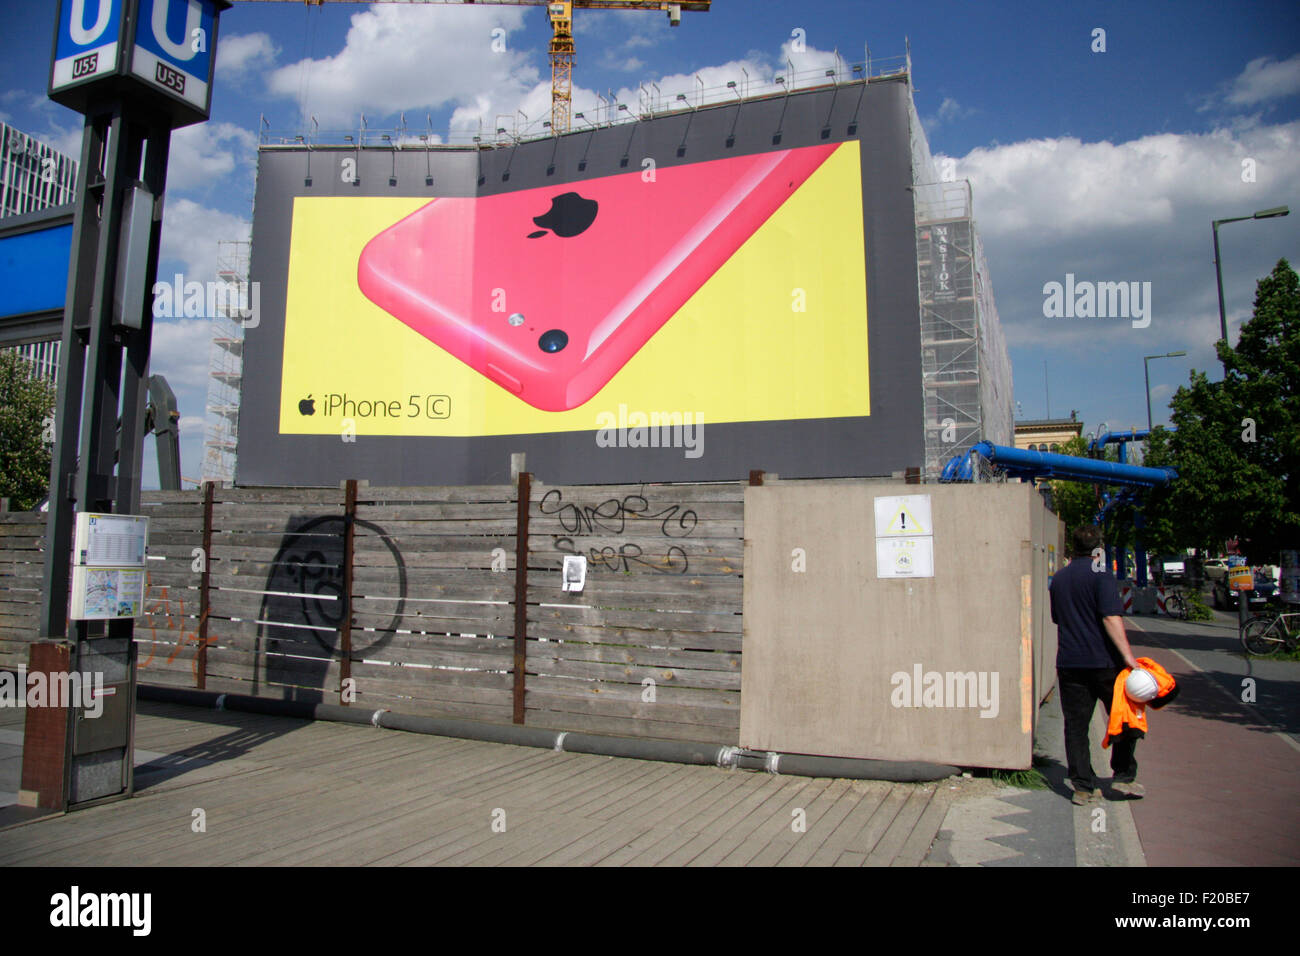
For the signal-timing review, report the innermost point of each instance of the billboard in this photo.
(683, 298)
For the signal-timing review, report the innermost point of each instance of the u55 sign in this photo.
(162, 49)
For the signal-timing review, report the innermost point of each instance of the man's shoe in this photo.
(1129, 789)
(1082, 798)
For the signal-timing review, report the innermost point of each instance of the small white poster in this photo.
(905, 557)
(100, 594)
(904, 537)
(905, 516)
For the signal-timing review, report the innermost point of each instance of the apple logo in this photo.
(570, 215)
(307, 406)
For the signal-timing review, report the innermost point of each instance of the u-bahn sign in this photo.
(163, 51)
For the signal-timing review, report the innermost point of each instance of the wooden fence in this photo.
(415, 599)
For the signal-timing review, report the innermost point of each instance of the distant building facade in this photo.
(1047, 434)
(34, 176)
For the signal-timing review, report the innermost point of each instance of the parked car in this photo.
(1174, 571)
(1215, 569)
(1265, 588)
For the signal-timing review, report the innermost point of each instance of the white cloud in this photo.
(205, 154)
(189, 238)
(1064, 187)
(1266, 79)
(238, 56)
(400, 58)
(1132, 211)
(180, 352)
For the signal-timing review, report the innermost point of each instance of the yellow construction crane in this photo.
(561, 48)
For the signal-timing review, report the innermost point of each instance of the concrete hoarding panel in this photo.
(841, 662)
(767, 353)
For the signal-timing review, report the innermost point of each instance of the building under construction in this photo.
(933, 375)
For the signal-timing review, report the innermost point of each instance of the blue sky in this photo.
(1106, 165)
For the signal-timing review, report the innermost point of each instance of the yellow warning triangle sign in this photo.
(904, 522)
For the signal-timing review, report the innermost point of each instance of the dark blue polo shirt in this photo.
(1081, 597)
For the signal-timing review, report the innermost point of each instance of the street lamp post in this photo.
(1146, 372)
(1242, 599)
(1218, 270)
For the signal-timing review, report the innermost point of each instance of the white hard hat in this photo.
(1141, 686)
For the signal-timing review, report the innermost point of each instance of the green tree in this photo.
(26, 408)
(1237, 441)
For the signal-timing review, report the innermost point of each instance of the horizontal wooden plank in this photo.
(269, 495)
(191, 509)
(369, 496)
(607, 706)
(636, 637)
(10, 519)
(14, 625)
(499, 524)
(655, 657)
(385, 645)
(665, 620)
(462, 583)
(454, 619)
(20, 600)
(158, 496)
(477, 542)
(428, 683)
(21, 543)
(603, 692)
(488, 553)
(413, 518)
(670, 492)
(641, 531)
(633, 675)
(634, 601)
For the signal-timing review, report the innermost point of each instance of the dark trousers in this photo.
(1081, 688)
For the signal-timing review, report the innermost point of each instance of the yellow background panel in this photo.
(739, 350)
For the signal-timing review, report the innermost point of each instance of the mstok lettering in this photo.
(946, 689)
(74, 909)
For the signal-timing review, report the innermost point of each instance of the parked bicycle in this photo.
(1177, 604)
(1267, 633)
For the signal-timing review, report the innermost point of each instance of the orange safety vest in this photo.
(1127, 714)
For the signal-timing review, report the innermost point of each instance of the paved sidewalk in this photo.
(284, 792)
(1222, 778)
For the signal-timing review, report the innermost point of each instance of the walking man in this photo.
(1092, 648)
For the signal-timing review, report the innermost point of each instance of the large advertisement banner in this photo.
(684, 298)
(544, 310)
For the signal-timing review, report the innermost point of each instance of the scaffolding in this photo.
(965, 370)
(226, 363)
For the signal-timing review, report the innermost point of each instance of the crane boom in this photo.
(562, 48)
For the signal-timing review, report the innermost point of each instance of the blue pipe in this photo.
(1020, 462)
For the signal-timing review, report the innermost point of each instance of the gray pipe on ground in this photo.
(638, 748)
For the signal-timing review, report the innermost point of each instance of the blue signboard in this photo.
(165, 48)
(173, 47)
(34, 271)
(86, 44)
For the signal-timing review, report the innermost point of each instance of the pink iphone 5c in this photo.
(550, 291)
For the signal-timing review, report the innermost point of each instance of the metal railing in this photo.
(652, 101)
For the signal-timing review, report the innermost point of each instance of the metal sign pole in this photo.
(135, 78)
